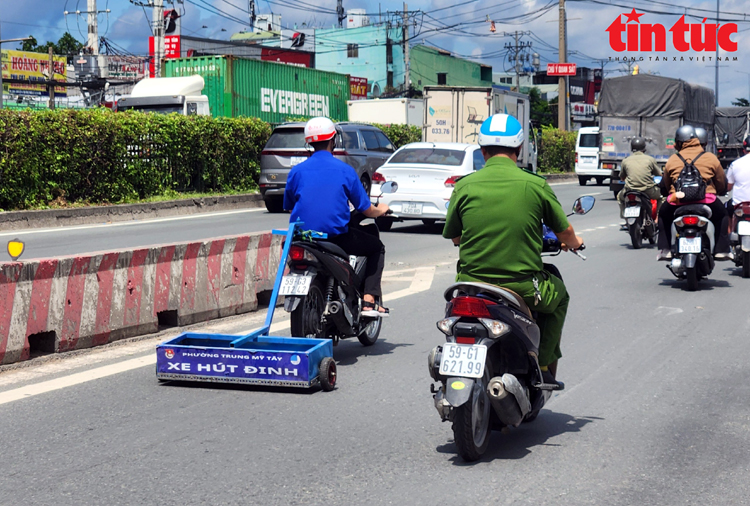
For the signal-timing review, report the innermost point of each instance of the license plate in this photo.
(743, 228)
(690, 244)
(295, 284)
(588, 159)
(412, 208)
(632, 212)
(296, 160)
(465, 360)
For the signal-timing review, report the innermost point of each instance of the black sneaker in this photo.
(550, 380)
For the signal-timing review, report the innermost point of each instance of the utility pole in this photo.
(251, 10)
(562, 91)
(93, 14)
(517, 58)
(51, 78)
(407, 77)
(340, 13)
(716, 85)
(158, 20)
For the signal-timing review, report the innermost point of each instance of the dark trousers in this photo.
(358, 241)
(718, 215)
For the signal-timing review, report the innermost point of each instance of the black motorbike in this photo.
(488, 369)
(324, 287)
(740, 237)
(692, 244)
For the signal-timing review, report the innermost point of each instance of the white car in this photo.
(587, 164)
(426, 173)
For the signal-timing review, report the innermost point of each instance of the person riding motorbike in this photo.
(738, 178)
(702, 135)
(689, 148)
(638, 171)
(318, 192)
(495, 216)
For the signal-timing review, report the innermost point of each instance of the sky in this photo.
(458, 26)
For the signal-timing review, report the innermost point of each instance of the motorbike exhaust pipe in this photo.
(504, 403)
(336, 313)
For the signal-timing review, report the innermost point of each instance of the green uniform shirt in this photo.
(638, 171)
(498, 212)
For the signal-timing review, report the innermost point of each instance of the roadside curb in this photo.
(49, 218)
(559, 177)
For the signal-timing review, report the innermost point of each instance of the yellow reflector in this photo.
(15, 249)
(458, 385)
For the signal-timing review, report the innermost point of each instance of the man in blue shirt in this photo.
(318, 192)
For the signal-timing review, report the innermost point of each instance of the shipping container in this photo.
(388, 111)
(270, 91)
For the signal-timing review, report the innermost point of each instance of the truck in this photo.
(731, 126)
(387, 111)
(652, 107)
(455, 114)
(183, 95)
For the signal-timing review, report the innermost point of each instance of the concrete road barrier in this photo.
(70, 303)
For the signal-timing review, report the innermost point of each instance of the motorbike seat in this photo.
(699, 209)
(332, 249)
(471, 288)
(639, 193)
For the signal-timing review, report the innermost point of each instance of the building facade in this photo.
(431, 66)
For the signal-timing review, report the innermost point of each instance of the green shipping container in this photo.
(270, 91)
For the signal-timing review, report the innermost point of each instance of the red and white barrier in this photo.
(102, 297)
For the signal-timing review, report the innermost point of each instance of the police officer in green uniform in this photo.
(638, 171)
(495, 215)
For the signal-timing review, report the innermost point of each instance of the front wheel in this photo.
(471, 421)
(692, 279)
(327, 374)
(635, 235)
(369, 334)
(307, 318)
(746, 264)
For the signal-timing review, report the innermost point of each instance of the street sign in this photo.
(561, 69)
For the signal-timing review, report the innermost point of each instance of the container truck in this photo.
(271, 91)
(387, 111)
(731, 126)
(652, 107)
(455, 114)
(182, 95)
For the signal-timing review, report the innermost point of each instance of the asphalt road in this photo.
(654, 413)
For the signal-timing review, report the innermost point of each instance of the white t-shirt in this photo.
(738, 174)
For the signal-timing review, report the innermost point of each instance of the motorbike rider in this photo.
(738, 178)
(318, 192)
(702, 135)
(638, 171)
(495, 215)
(688, 146)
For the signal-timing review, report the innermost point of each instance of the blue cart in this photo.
(256, 358)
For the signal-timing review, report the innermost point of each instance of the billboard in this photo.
(287, 56)
(126, 68)
(34, 69)
(359, 87)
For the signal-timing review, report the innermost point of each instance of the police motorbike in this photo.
(324, 287)
(739, 238)
(640, 214)
(692, 244)
(487, 371)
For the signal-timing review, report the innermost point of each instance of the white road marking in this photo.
(421, 281)
(127, 223)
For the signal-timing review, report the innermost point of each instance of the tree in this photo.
(741, 102)
(67, 45)
(541, 112)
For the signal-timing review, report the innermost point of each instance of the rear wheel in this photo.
(635, 235)
(692, 279)
(582, 180)
(274, 204)
(615, 193)
(429, 222)
(471, 421)
(599, 181)
(327, 374)
(365, 184)
(384, 224)
(369, 335)
(745, 264)
(306, 320)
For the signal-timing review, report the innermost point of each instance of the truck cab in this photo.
(182, 95)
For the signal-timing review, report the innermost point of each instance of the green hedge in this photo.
(96, 156)
(556, 151)
(401, 134)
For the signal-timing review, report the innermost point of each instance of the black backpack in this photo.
(690, 182)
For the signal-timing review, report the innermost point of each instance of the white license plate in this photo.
(588, 159)
(743, 228)
(295, 284)
(412, 208)
(690, 244)
(296, 160)
(465, 360)
(632, 212)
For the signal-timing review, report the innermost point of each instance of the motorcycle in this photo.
(692, 244)
(739, 238)
(324, 287)
(640, 214)
(488, 371)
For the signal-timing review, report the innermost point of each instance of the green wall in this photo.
(426, 63)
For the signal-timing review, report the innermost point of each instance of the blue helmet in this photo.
(501, 130)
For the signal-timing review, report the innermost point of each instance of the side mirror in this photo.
(389, 187)
(657, 179)
(584, 204)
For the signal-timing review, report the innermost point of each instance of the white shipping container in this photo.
(387, 111)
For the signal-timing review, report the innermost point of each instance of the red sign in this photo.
(287, 56)
(561, 69)
(358, 87)
(171, 50)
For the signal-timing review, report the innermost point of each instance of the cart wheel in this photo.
(327, 372)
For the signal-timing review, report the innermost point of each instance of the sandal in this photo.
(373, 310)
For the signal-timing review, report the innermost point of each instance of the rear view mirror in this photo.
(584, 204)
(657, 179)
(389, 187)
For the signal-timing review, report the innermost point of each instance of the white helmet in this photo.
(319, 130)
(501, 130)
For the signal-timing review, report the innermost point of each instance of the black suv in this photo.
(364, 147)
